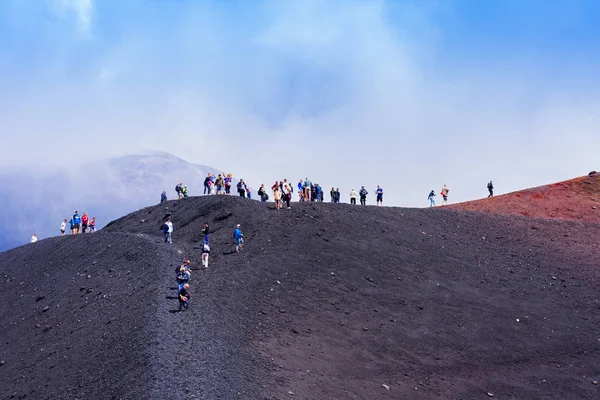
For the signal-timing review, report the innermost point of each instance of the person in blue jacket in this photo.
(163, 196)
(239, 238)
(379, 193)
(77, 222)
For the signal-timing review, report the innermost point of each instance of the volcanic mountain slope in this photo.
(575, 200)
(325, 301)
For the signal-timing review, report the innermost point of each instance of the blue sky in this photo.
(406, 94)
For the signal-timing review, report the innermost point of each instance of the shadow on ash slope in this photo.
(325, 302)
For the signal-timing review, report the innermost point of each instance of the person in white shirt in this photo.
(168, 230)
(353, 196)
(34, 238)
(63, 226)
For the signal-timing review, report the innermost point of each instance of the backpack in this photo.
(178, 188)
(363, 192)
(165, 228)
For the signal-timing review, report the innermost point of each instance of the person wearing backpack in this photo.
(178, 189)
(163, 196)
(228, 180)
(363, 195)
(241, 188)
(490, 187)
(184, 191)
(431, 198)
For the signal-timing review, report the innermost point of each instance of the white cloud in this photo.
(307, 88)
(81, 9)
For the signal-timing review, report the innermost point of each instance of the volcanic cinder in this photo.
(325, 301)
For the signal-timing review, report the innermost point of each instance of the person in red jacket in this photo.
(84, 222)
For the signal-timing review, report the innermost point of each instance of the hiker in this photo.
(444, 194)
(300, 190)
(183, 276)
(228, 180)
(307, 185)
(490, 187)
(248, 193)
(77, 222)
(185, 266)
(205, 254)
(163, 196)
(84, 222)
(167, 229)
(363, 195)
(184, 297)
(287, 195)
(34, 238)
(431, 198)
(206, 184)
(73, 226)
(239, 238)
(63, 227)
(277, 197)
(220, 184)
(241, 188)
(290, 186)
(353, 196)
(262, 193)
(179, 190)
(184, 191)
(379, 193)
(205, 232)
(92, 225)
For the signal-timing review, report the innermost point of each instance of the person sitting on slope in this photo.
(184, 297)
(183, 277)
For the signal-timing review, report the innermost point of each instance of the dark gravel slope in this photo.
(325, 302)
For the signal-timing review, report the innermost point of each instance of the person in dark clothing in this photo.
(490, 187)
(431, 198)
(337, 195)
(183, 277)
(184, 297)
(163, 196)
(206, 184)
(205, 232)
(332, 194)
(241, 188)
(363, 195)
(262, 193)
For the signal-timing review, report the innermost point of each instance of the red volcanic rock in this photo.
(573, 200)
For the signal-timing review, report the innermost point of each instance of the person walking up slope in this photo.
(63, 227)
(168, 230)
(184, 297)
(163, 196)
(490, 187)
(444, 194)
(205, 254)
(239, 238)
(431, 198)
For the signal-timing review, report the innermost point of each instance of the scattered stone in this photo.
(490, 394)
(290, 393)
(365, 329)
(45, 308)
(595, 382)
(39, 298)
(2, 362)
(386, 387)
